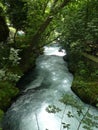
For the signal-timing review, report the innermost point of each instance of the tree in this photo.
(55, 7)
(4, 31)
(17, 13)
(34, 16)
(81, 28)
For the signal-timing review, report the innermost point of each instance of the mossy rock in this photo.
(7, 92)
(86, 91)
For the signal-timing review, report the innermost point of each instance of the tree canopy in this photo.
(4, 31)
(72, 23)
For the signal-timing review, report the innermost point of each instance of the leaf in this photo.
(65, 125)
(79, 112)
(87, 127)
(52, 109)
(69, 114)
(89, 115)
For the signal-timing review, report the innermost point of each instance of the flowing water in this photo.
(52, 80)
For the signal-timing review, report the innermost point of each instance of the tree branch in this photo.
(37, 122)
(45, 6)
(54, 10)
(83, 118)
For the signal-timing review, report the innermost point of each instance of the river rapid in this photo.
(52, 80)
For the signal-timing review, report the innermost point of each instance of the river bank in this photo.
(10, 88)
(85, 82)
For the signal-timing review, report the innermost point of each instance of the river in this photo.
(52, 79)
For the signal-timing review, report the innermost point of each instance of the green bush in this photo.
(7, 91)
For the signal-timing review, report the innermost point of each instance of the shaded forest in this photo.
(26, 26)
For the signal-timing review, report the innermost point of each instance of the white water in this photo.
(53, 79)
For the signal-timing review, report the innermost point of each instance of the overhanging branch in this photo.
(54, 11)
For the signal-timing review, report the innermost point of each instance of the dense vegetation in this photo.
(71, 22)
(82, 44)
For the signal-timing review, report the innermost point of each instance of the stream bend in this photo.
(52, 81)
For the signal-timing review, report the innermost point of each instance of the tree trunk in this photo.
(54, 11)
(37, 37)
(14, 38)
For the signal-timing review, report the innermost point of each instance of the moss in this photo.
(7, 91)
(85, 70)
(87, 91)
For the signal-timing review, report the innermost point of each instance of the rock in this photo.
(86, 91)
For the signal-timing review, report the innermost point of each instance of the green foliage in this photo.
(79, 25)
(1, 114)
(7, 91)
(4, 31)
(35, 17)
(86, 90)
(52, 109)
(9, 75)
(9, 60)
(4, 53)
(65, 125)
(44, 21)
(17, 13)
(89, 124)
(86, 119)
(68, 99)
(1, 8)
(14, 56)
(36, 14)
(1, 117)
